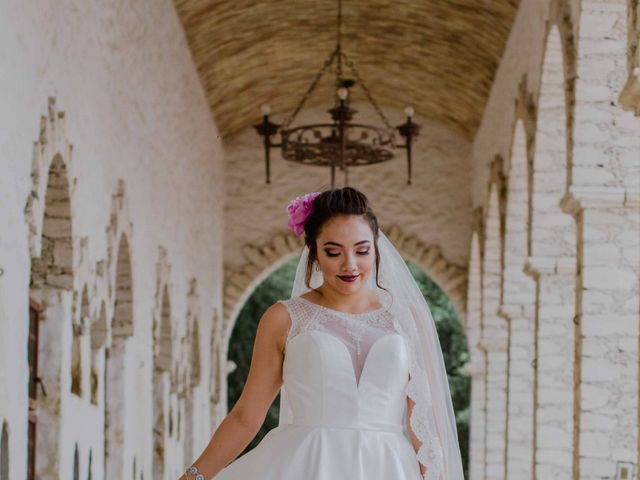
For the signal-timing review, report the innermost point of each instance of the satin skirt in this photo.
(311, 452)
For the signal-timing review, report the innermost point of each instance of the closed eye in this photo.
(363, 252)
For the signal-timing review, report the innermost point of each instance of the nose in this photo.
(350, 263)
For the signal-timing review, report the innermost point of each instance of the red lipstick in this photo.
(348, 278)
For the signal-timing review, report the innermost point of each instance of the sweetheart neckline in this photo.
(357, 381)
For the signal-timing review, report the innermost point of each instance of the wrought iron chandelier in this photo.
(342, 143)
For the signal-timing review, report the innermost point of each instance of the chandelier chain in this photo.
(353, 69)
(310, 90)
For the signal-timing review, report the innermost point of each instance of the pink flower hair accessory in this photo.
(299, 210)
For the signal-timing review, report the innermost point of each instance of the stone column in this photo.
(608, 221)
(476, 370)
(496, 406)
(555, 339)
(520, 390)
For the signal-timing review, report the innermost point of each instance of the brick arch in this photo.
(552, 167)
(191, 356)
(118, 287)
(494, 336)
(48, 214)
(162, 330)
(118, 266)
(263, 260)
(51, 185)
(476, 367)
(518, 303)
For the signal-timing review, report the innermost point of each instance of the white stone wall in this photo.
(562, 75)
(132, 128)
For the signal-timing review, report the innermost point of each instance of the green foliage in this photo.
(278, 286)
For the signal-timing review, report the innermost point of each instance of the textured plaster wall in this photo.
(134, 111)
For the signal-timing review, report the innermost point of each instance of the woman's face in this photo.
(346, 253)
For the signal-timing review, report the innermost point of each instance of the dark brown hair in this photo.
(333, 203)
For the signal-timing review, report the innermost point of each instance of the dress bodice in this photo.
(344, 369)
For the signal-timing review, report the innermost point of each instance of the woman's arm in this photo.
(414, 440)
(263, 383)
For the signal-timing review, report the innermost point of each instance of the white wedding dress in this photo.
(345, 376)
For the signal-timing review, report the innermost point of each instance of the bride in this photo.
(355, 355)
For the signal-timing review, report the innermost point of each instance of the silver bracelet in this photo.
(195, 472)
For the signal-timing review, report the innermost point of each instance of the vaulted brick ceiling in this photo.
(438, 55)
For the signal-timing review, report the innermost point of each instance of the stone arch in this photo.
(115, 362)
(494, 339)
(164, 340)
(192, 368)
(99, 333)
(218, 374)
(117, 267)
(163, 362)
(76, 361)
(552, 266)
(49, 217)
(193, 334)
(4, 452)
(50, 184)
(53, 266)
(78, 328)
(517, 308)
(476, 367)
(551, 176)
(263, 260)
(162, 324)
(122, 322)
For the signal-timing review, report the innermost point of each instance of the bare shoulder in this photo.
(275, 323)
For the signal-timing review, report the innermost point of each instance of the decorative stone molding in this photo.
(192, 354)
(119, 234)
(537, 266)
(263, 260)
(580, 197)
(516, 310)
(52, 143)
(83, 278)
(162, 327)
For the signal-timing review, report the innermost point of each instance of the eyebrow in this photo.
(338, 245)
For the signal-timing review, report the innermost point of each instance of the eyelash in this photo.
(332, 255)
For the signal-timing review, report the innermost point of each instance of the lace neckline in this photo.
(339, 312)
